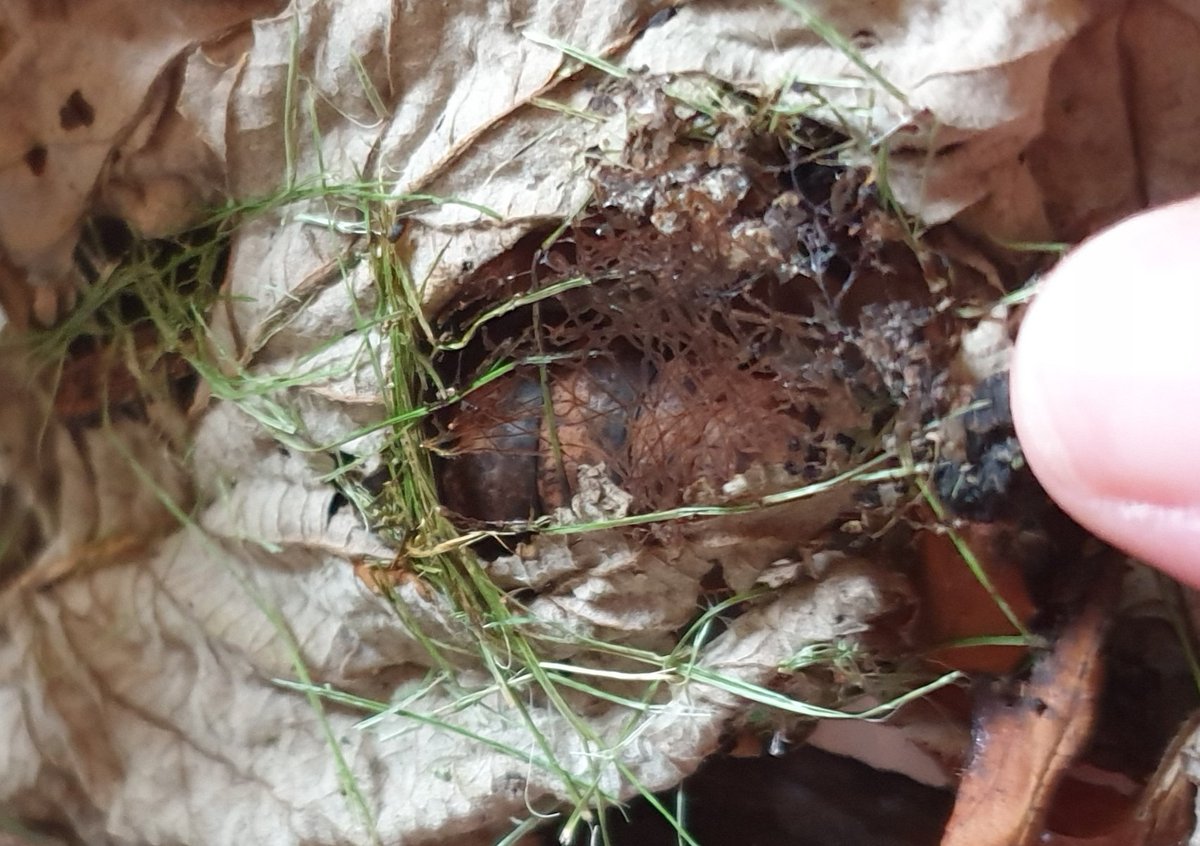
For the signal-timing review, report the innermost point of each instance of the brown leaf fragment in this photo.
(1166, 814)
(1163, 815)
(957, 607)
(1023, 744)
(96, 381)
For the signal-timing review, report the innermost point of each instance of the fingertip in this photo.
(1106, 387)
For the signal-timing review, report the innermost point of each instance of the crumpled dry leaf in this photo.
(1024, 741)
(137, 701)
(89, 111)
(1121, 103)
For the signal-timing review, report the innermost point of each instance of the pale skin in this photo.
(1106, 387)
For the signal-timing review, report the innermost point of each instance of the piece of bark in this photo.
(1024, 744)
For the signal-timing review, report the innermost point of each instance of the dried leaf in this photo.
(1024, 741)
(1163, 814)
(955, 606)
(124, 691)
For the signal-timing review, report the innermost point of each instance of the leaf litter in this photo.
(735, 314)
(713, 388)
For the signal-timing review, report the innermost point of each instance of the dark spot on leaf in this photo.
(949, 149)
(864, 39)
(76, 112)
(35, 159)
